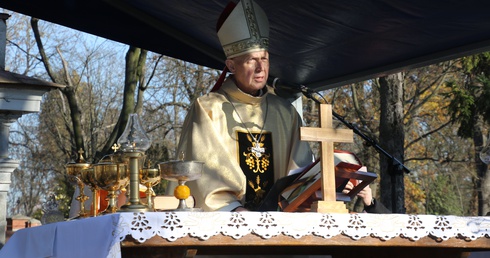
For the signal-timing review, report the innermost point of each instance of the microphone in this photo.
(284, 86)
(288, 90)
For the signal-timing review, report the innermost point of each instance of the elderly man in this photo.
(247, 136)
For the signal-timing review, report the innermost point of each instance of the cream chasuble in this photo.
(233, 141)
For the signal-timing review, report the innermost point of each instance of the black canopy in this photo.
(318, 43)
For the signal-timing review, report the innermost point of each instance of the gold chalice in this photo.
(150, 177)
(73, 170)
(181, 171)
(111, 177)
(88, 178)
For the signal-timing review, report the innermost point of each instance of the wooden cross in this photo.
(327, 135)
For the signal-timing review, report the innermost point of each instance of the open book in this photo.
(297, 192)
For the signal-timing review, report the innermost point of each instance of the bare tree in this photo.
(91, 112)
(32, 178)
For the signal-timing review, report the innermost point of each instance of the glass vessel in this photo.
(134, 137)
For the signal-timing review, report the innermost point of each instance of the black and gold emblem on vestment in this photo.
(255, 156)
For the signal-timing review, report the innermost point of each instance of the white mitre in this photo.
(245, 30)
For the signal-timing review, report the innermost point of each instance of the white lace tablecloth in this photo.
(203, 225)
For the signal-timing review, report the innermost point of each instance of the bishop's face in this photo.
(251, 71)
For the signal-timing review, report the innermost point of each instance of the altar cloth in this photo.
(75, 239)
(101, 236)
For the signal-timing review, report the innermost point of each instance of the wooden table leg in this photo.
(158, 252)
(191, 253)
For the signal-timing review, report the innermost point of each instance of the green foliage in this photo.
(483, 102)
(476, 64)
(470, 97)
(442, 198)
(461, 108)
(64, 193)
(161, 187)
(37, 214)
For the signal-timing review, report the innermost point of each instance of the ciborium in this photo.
(73, 170)
(182, 172)
(111, 177)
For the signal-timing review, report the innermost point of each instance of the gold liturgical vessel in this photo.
(149, 178)
(74, 170)
(124, 170)
(87, 177)
(111, 176)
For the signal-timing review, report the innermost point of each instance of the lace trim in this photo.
(203, 225)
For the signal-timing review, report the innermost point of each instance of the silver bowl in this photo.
(179, 170)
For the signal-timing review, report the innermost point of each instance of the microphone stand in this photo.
(396, 166)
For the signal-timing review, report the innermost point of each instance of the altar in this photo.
(185, 234)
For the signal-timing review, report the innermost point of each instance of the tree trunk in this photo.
(69, 91)
(485, 190)
(132, 78)
(481, 182)
(140, 70)
(391, 139)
